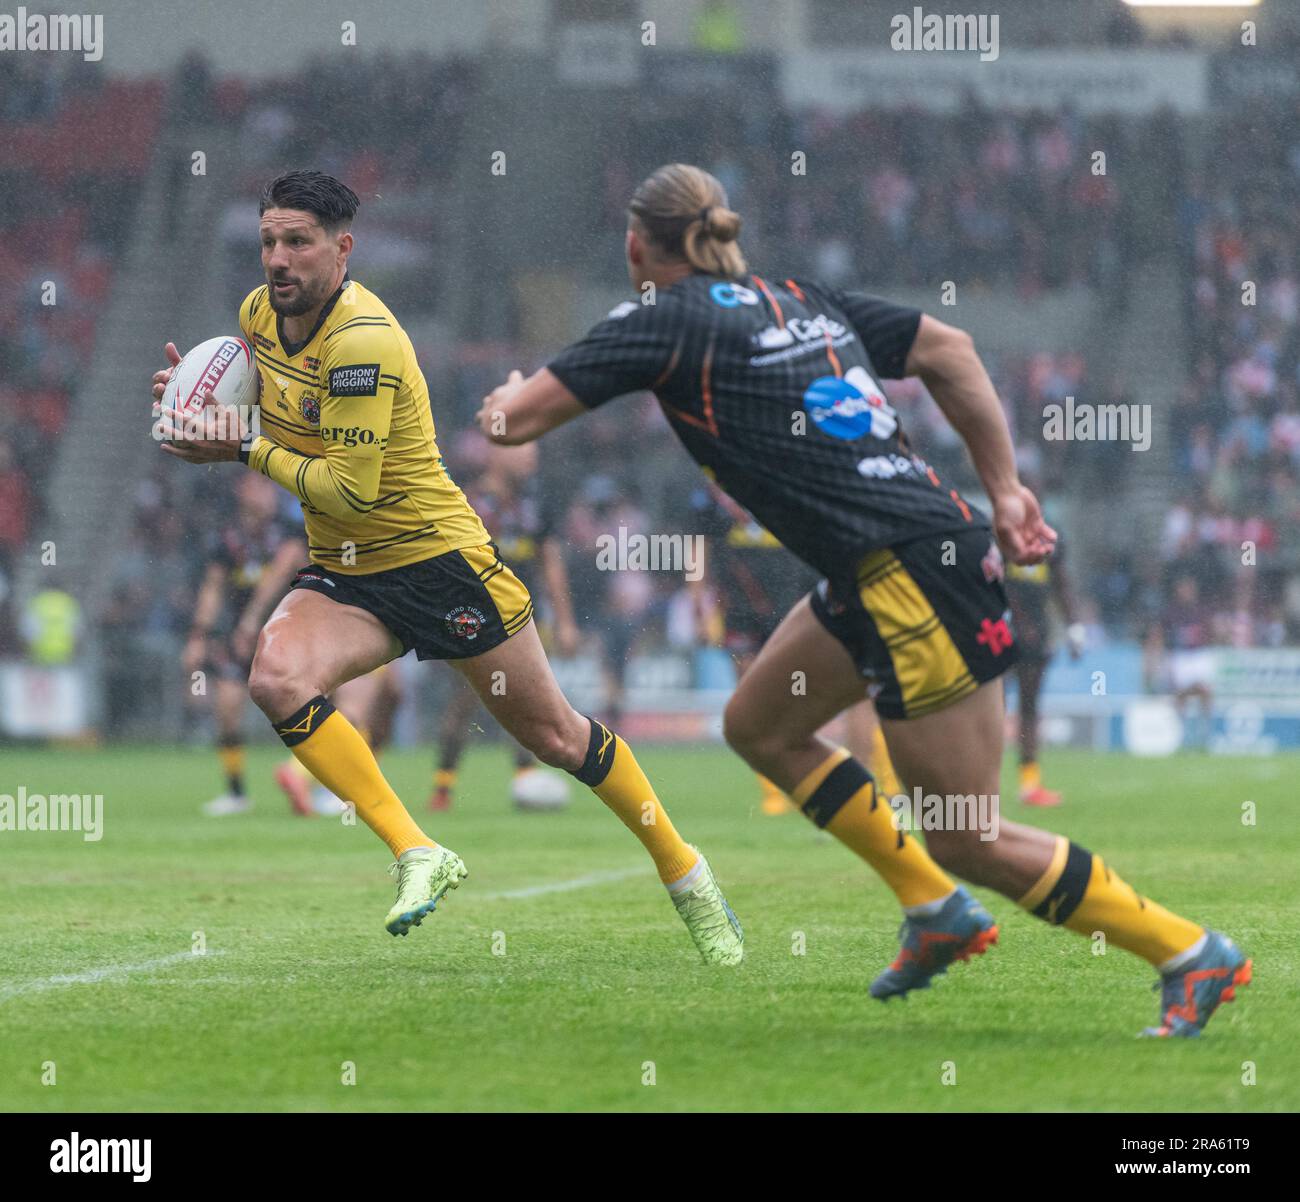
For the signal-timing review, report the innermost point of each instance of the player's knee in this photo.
(273, 680)
(747, 735)
(557, 744)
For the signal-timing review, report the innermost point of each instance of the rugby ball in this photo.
(224, 365)
(539, 789)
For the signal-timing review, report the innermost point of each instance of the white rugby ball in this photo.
(224, 365)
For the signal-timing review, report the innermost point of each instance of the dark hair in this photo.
(332, 202)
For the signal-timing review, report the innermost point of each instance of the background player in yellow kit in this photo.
(1032, 590)
(399, 560)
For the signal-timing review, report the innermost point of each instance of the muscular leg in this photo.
(801, 679)
(772, 801)
(864, 738)
(309, 647)
(958, 751)
(515, 683)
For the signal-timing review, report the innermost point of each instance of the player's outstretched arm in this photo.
(945, 359)
(521, 410)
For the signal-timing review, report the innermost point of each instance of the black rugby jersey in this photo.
(244, 553)
(774, 389)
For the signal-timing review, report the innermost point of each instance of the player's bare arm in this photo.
(945, 359)
(521, 410)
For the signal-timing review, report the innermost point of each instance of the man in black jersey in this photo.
(773, 388)
(249, 562)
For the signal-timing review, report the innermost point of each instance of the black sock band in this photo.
(305, 722)
(833, 794)
(1064, 897)
(600, 755)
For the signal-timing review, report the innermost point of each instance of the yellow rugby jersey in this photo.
(346, 427)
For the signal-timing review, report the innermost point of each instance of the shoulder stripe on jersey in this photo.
(798, 292)
(358, 322)
(771, 300)
(706, 390)
(258, 297)
(831, 356)
(668, 371)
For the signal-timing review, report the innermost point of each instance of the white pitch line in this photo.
(93, 975)
(580, 882)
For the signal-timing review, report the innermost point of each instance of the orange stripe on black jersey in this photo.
(771, 300)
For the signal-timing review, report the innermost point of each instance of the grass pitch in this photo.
(559, 977)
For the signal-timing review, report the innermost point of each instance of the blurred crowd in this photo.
(1237, 421)
(75, 149)
(896, 199)
(904, 197)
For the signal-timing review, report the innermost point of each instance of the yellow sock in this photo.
(612, 773)
(1078, 891)
(1030, 777)
(444, 778)
(231, 756)
(333, 751)
(840, 796)
(882, 767)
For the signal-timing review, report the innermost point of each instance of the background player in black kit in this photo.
(507, 497)
(758, 582)
(1033, 589)
(772, 387)
(249, 563)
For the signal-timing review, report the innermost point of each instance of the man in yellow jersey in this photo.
(399, 560)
